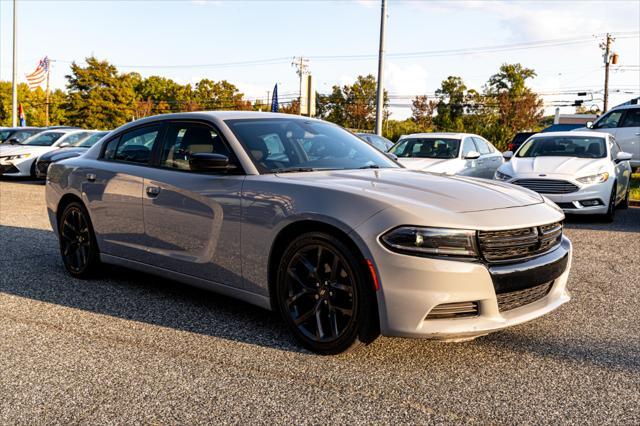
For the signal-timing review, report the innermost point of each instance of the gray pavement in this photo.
(134, 348)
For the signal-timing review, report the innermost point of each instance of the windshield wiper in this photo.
(294, 170)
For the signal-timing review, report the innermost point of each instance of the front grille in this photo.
(454, 310)
(8, 168)
(517, 244)
(547, 186)
(518, 298)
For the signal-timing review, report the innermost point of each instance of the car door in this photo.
(114, 192)
(471, 166)
(628, 133)
(490, 158)
(192, 219)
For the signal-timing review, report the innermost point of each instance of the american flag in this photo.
(37, 77)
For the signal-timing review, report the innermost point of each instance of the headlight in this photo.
(432, 241)
(502, 176)
(599, 178)
(16, 157)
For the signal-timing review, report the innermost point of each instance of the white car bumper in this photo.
(16, 167)
(583, 200)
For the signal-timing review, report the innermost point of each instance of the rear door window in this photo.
(631, 118)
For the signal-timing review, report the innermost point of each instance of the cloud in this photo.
(369, 4)
(404, 80)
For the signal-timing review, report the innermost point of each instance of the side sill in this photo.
(236, 293)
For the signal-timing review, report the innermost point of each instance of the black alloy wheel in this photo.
(324, 295)
(77, 241)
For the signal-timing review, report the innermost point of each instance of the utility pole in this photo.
(14, 82)
(302, 65)
(380, 94)
(606, 45)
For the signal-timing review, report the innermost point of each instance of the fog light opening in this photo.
(590, 203)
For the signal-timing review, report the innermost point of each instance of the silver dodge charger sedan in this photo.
(298, 215)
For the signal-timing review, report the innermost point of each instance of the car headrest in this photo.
(258, 149)
(197, 139)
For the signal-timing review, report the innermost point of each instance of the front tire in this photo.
(625, 203)
(324, 295)
(610, 215)
(78, 246)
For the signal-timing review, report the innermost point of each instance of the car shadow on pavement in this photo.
(32, 269)
(625, 221)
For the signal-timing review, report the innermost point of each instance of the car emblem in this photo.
(542, 175)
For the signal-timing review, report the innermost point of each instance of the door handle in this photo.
(153, 191)
(91, 177)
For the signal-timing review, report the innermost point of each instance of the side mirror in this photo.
(589, 124)
(507, 154)
(472, 155)
(13, 141)
(204, 162)
(391, 155)
(623, 156)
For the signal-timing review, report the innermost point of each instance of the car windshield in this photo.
(90, 140)
(278, 145)
(43, 139)
(564, 146)
(427, 148)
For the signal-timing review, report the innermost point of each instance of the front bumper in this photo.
(411, 287)
(571, 203)
(17, 167)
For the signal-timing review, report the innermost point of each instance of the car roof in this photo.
(632, 106)
(452, 135)
(573, 133)
(65, 131)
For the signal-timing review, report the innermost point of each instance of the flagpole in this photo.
(14, 87)
(46, 108)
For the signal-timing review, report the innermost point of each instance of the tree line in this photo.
(99, 96)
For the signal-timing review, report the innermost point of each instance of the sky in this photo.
(252, 43)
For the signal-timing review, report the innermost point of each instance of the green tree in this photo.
(422, 110)
(451, 96)
(514, 106)
(98, 96)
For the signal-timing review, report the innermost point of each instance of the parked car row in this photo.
(29, 151)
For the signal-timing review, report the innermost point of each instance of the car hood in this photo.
(22, 149)
(418, 189)
(62, 153)
(571, 166)
(424, 163)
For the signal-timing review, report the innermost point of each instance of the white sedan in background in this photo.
(582, 172)
(20, 159)
(449, 153)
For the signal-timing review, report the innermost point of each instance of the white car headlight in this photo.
(502, 176)
(15, 157)
(599, 178)
(420, 241)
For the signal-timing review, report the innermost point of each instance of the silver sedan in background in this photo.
(298, 215)
(449, 153)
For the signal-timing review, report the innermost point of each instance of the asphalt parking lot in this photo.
(134, 348)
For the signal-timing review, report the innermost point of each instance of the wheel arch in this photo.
(289, 232)
(65, 200)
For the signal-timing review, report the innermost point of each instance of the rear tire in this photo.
(325, 296)
(78, 246)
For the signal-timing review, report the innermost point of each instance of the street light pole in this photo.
(380, 93)
(14, 80)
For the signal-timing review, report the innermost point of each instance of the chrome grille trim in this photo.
(519, 244)
(547, 186)
(519, 298)
(454, 310)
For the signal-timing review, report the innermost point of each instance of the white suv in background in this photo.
(623, 122)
